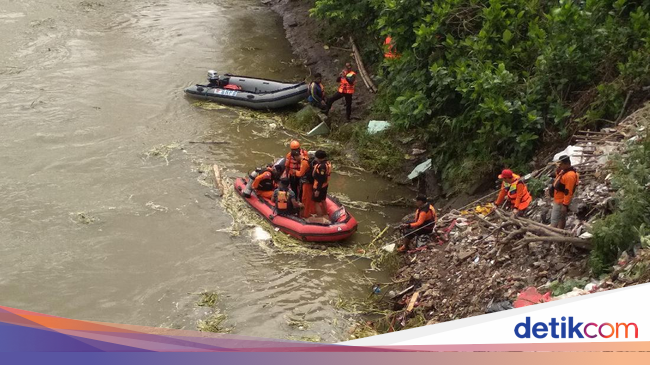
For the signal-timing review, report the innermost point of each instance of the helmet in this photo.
(213, 75)
(294, 145)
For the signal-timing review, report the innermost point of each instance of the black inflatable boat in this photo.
(250, 92)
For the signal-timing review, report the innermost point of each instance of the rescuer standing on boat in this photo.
(292, 165)
(321, 172)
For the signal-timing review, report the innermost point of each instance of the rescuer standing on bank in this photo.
(347, 79)
(562, 190)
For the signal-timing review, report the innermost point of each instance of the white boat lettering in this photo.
(226, 92)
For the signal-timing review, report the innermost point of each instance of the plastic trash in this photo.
(531, 296)
(574, 152)
(389, 248)
(376, 289)
(420, 169)
(376, 126)
(320, 130)
(499, 306)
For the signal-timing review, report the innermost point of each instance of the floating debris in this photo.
(83, 218)
(163, 151)
(297, 323)
(214, 323)
(208, 299)
(156, 207)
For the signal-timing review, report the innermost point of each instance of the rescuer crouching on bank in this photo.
(424, 223)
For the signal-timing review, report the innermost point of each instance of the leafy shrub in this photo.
(491, 80)
(536, 187)
(624, 228)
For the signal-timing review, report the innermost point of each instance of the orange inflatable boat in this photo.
(343, 223)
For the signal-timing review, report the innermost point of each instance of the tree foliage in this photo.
(627, 226)
(487, 81)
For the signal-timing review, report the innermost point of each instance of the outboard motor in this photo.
(248, 190)
(213, 79)
(279, 165)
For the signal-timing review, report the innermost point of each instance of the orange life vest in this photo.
(346, 87)
(430, 217)
(283, 200)
(317, 172)
(560, 189)
(511, 191)
(266, 182)
(390, 50)
(292, 164)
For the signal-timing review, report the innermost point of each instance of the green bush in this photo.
(489, 81)
(624, 228)
(536, 187)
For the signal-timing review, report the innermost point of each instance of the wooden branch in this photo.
(414, 298)
(548, 228)
(513, 234)
(578, 242)
(403, 292)
(362, 70)
(620, 115)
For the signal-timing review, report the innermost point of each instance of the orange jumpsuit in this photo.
(264, 184)
(517, 193)
(307, 191)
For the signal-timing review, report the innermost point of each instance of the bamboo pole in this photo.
(362, 70)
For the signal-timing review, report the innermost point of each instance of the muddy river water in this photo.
(99, 222)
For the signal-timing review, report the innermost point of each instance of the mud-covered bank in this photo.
(303, 33)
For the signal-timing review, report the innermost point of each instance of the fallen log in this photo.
(218, 182)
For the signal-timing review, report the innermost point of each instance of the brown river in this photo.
(104, 212)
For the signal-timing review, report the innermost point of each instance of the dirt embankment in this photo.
(303, 32)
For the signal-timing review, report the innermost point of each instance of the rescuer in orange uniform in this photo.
(292, 165)
(562, 190)
(347, 79)
(425, 222)
(321, 173)
(516, 191)
(305, 174)
(264, 183)
(389, 49)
